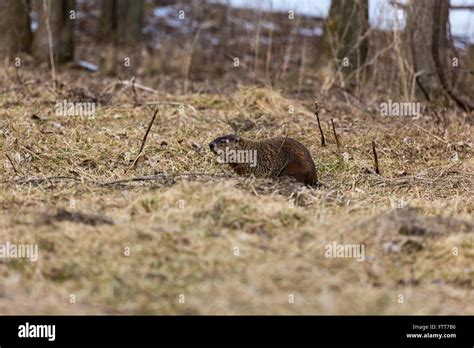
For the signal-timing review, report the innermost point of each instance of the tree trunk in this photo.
(55, 31)
(345, 36)
(440, 14)
(420, 23)
(108, 20)
(130, 16)
(121, 21)
(14, 28)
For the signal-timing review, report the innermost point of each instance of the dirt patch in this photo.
(76, 217)
(410, 222)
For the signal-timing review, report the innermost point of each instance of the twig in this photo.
(398, 5)
(144, 139)
(159, 177)
(376, 160)
(49, 178)
(127, 83)
(135, 95)
(316, 112)
(335, 135)
(126, 106)
(461, 7)
(433, 135)
(13, 166)
(18, 78)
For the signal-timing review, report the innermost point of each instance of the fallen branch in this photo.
(48, 178)
(159, 177)
(108, 183)
(134, 85)
(128, 83)
(433, 135)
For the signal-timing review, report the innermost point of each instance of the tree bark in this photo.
(121, 21)
(420, 22)
(55, 31)
(345, 34)
(440, 14)
(14, 28)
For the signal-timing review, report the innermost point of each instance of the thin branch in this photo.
(461, 7)
(159, 177)
(18, 78)
(376, 160)
(13, 166)
(49, 178)
(335, 135)
(398, 5)
(120, 181)
(135, 95)
(144, 139)
(316, 112)
(433, 135)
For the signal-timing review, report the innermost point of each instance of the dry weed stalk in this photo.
(316, 112)
(144, 139)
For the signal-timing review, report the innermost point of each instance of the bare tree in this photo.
(15, 27)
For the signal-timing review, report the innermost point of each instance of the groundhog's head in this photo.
(231, 142)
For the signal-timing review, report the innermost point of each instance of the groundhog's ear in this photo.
(237, 138)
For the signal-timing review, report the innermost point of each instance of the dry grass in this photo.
(182, 230)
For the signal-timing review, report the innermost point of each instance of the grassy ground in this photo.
(230, 245)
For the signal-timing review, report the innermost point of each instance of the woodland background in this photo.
(166, 229)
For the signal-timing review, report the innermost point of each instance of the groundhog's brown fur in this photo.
(275, 157)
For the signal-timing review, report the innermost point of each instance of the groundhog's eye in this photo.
(225, 140)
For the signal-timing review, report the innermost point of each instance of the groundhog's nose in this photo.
(212, 146)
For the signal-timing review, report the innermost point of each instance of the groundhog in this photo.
(275, 157)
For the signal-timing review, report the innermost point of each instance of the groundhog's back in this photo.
(293, 159)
